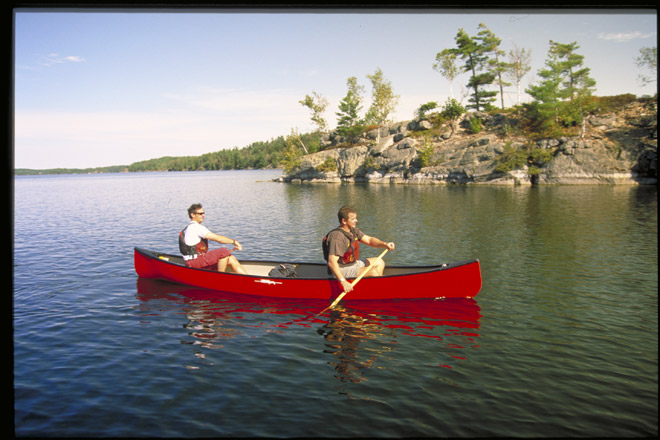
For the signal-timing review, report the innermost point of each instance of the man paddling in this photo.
(194, 245)
(341, 249)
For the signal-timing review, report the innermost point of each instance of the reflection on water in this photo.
(361, 332)
(344, 337)
(358, 333)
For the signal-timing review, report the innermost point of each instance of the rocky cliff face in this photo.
(616, 148)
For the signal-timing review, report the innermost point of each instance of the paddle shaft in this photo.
(355, 281)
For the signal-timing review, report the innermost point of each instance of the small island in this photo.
(617, 144)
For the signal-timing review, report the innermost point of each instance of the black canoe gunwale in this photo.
(400, 271)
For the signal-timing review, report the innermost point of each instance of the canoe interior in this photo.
(304, 270)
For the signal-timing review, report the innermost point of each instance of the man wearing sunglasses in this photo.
(194, 245)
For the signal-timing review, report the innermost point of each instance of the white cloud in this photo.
(74, 59)
(624, 37)
(54, 58)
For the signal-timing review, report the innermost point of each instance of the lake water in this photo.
(562, 340)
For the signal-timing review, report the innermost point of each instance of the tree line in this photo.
(258, 155)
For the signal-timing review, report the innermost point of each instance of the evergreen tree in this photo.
(452, 110)
(474, 54)
(565, 91)
(349, 123)
(491, 45)
(546, 94)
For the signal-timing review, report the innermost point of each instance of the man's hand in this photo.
(346, 286)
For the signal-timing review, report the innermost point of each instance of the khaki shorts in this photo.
(352, 270)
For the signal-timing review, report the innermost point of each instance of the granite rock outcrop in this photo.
(616, 148)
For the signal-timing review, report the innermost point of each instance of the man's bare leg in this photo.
(232, 262)
(374, 270)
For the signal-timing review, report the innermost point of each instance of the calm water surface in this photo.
(561, 341)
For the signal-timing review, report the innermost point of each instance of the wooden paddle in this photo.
(355, 281)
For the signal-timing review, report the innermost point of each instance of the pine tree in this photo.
(564, 94)
(491, 45)
(473, 52)
(349, 123)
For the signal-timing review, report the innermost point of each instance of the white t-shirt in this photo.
(194, 233)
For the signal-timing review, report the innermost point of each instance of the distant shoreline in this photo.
(76, 171)
(51, 171)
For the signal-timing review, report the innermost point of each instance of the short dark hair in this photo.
(344, 211)
(194, 207)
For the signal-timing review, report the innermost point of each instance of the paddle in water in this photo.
(355, 281)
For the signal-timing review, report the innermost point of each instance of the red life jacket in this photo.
(351, 255)
(199, 248)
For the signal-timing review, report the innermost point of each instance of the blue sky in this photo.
(112, 88)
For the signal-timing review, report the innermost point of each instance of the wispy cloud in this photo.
(272, 106)
(624, 37)
(53, 59)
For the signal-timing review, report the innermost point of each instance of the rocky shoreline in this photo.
(617, 148)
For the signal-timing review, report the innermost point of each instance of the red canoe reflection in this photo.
(415, 317)
(357, 334)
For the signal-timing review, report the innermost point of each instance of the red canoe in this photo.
(457, 280)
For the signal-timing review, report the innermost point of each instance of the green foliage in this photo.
(370, 164)
(349, 123)
(516, 158)
(445, 63)
(290, 159)
(257, 155)
(317, 104)
(511, 159)
(452, 110)
(328, 165)
(292, 152)
(421, 111)
(352, 133)
(563, 97)
(425, 154)
(541, 156)
(496, 65)
(533, 170)
(110, 169)
(476, 52)
(606, 104)
(384, 101)
(475, 125)
(648, 59)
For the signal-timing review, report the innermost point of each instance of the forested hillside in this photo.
(257, 155)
